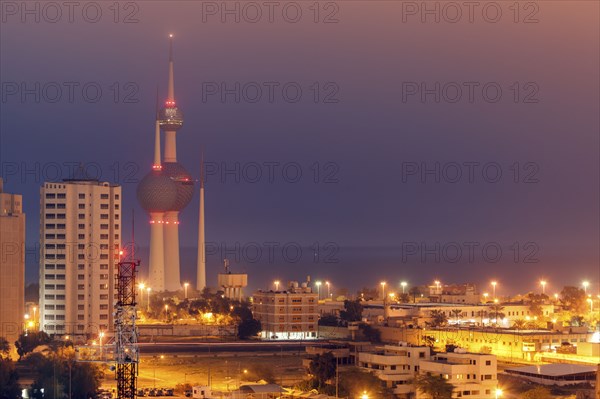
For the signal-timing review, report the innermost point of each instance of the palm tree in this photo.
(496, 311)
(519, 324)
(439, 319)
(435, 386)
(456, 313)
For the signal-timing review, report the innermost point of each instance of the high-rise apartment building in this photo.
(80, 235)
(12, 264)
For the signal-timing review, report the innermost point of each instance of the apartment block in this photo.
(80, 235)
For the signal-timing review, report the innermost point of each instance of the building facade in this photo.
(12, 264)
(80, 226)
(287, 314)
(396, 366)
(473, 375)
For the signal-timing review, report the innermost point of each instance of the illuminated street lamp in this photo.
(148, 289)
(318, 283)
(100, 336)
(485, 296)
(403, 285)
(543, 284)
(437, 284)
(585, 284)
(494, 283)
(185, 287)
(141, 286)
(364, 395)
(328, 286)
(383, 290)
(276, 282)
(498, 393)
(556, 297)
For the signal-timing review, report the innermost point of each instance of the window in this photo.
(50, 236)
(49, 267)
(60, 286)
(61, 196)
(81, 206)
(60, 307)
(80, 307)
(103, 196)
(81, 196)
(80, 267)
(81, 216)
(81, 236)
(49, 286)
(50, 195)
(49, 297)
(488, 362)
(103, 206)
(81, 226)
(104, 226)
(80, 297)
(60, 297)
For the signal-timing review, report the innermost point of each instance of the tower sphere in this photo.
(183, 182)
(157, 192)
(170, 118)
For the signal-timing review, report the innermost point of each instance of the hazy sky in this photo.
(359, 97)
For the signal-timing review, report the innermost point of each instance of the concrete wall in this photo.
(188, 330)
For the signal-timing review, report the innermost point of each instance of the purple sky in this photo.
(363, 143)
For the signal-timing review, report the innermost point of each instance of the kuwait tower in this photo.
(163, 193)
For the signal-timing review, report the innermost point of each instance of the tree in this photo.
(60, 373)
(4, 348)
(368, 294)
(27, 342)
(9, 380)
(457, 313)
(322, 368)
(573, 299)
(354, 381)
(329, 320)
(352, 311)
(434, 386)
(537, 393)
(519, 324)
(414, 291)
(370, 333)
(496, 312)
(249, 328)
(438, 317)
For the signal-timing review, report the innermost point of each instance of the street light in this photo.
(585, 284)
(498, 392)
(148, 305)
(364, 395)
(485, 295)
(403, 285)
(185, 287)
(383, 290)
(494, 283)
(318, 283)
(328, 287)
(556, 297)
(543, 283)
(276, 282)
(437, 284)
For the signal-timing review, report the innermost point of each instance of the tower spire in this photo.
(201, 266)
(157, 164)
(171, 92)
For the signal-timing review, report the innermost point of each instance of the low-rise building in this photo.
(396, 366)
(288, 314)
(473, 375)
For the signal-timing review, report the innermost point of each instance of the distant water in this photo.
(356, 267)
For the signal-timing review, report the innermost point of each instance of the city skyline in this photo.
(358, 200)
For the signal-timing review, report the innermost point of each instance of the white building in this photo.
(80, 237)
(396, 366)
(473, 375)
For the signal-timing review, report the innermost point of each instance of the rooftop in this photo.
(553, 370)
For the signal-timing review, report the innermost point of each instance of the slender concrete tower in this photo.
(201, 269)
(157, 193)
(171, 120)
